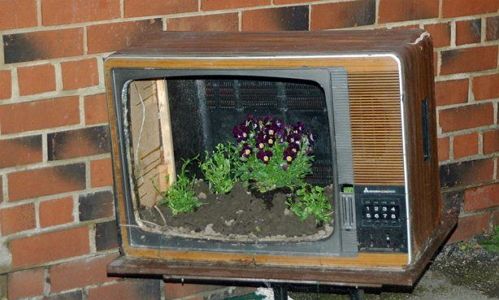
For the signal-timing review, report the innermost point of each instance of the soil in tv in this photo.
(240, 213)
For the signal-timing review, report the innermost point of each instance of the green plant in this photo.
(180, 197)
(275, 173)
(491, 244)
(311, 201)
(219, 168)
(272, 154)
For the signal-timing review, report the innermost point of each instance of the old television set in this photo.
(368, 97)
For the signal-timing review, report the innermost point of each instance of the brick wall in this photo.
(56, 213)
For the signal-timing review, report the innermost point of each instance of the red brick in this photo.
(491, 141)
(222, 22)
(17, 218)
(492, 28)
(17, 14)
(468, 32)
(29, 283)
(276, 19)
(468, 116)
(138, 8)
(126, 290)
(451, 92)
(96, 109)
(80, 273)
(343, 14)
(106, 236)
(79, 74)
(56, 212)
(5, 84)
(20, 151)
(48, 247)
(115, 36)
(469, 226)
(468, 60)
(481, 197)
(36, 79)
(465, 173)
(465, 145)
(443, 149)
(41, 45)
(402, 10)
(231, 4)
(440, 34)
(457, 8)
(98, 205)
(178, 290)
(101, 173)
(79, 142)
(56, 12)
(486, 87)
(46, 181)
(39, 115)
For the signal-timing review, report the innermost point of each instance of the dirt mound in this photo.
(239, 216)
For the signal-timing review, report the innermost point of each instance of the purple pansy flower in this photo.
(240, 132)
(261, 140)
(294, 138)
(270, 140)
(298, 128)
(264, 156)
(246, 150)
(289, 155)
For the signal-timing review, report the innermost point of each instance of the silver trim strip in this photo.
(401, 84)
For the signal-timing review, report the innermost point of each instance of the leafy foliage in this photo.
(180, 197)
(270, 176)
(219, 168)
(268, 155)
(273, 154)
(311, 201)
(492, 243)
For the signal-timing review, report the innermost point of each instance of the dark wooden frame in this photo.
(429, 227)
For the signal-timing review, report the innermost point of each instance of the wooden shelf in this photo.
(358, 277)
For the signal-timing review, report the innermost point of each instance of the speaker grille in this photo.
(376, 128)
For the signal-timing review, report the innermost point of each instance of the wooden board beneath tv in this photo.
(366, 273)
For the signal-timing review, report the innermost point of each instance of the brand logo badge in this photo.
(368, 191)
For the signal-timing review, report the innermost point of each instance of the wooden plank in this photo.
(351, 64)
(166, 170)
(192, 44)
(365, 260)
(363, 276)
(146, 142)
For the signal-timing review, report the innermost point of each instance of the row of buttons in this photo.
(381, 212)
(383, 216)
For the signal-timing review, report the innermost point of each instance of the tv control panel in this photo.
(381, 219)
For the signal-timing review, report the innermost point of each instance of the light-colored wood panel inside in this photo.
(151, 154)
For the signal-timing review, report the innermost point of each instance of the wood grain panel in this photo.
(146, 144)
(361, 63)
(376, 128)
